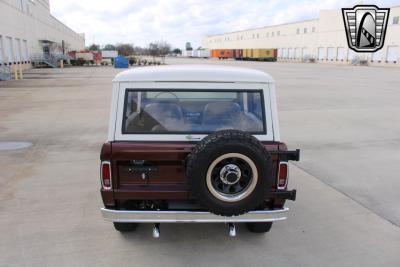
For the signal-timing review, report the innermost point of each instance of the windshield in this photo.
(191, 111)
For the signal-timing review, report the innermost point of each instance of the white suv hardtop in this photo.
(195, 78)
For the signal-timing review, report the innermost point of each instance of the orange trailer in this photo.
(222, 53)
(214, 52)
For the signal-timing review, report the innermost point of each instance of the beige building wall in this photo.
(25, 24)
(323, 39)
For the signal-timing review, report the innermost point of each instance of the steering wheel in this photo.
(160, 93)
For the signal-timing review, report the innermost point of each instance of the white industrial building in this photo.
(322, 39)
(28, 31)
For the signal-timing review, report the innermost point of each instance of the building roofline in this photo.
(66, 26)
(263, 27)
(283, 24)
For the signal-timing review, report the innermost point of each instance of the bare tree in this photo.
(125, 49)
(164, 49)
(159, 49)
(140, 50)
(154, 50)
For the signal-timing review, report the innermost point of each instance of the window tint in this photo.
(184, 111)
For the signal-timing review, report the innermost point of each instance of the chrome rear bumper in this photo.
(140, 216)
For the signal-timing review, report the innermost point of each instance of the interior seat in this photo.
(168, 115)
(218, 115)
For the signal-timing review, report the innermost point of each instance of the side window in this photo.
(255, 105)
(132, 103)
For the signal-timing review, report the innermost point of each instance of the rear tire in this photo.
(259, 227)
(247, 163)
(125, 227)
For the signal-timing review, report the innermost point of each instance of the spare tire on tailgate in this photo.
(230, 172)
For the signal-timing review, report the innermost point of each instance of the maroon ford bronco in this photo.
(192, 144)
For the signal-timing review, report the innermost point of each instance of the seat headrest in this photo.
(221, 108)
(163, 110)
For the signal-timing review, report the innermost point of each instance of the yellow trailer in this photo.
(265, 54)
(247, 53)
(261, 54)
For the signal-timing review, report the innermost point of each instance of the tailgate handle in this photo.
(140, 169)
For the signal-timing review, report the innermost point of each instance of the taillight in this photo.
(106, 175)
(283, 175)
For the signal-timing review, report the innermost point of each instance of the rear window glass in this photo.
(192, 112)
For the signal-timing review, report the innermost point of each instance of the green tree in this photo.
(177, 51)
(109, 47)
(188, 46)
(94, 47)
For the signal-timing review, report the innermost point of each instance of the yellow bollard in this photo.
(61, 63)
(21, 77)
(15, 71)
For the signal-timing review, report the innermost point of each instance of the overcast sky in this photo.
(142, 21)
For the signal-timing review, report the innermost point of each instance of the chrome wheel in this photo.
(231, 177)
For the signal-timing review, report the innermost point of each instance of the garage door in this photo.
(304, 52)
(17, 50)
(25, 50)
(392, 53)
(284, 52)
(291, 53)
(298, 53)
(331, 53)
(1, 50)
(351, 54)
(340, 53)
(321, 53)
(8, 48)
(377, 56)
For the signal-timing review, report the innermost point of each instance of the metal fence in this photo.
(51, 60)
